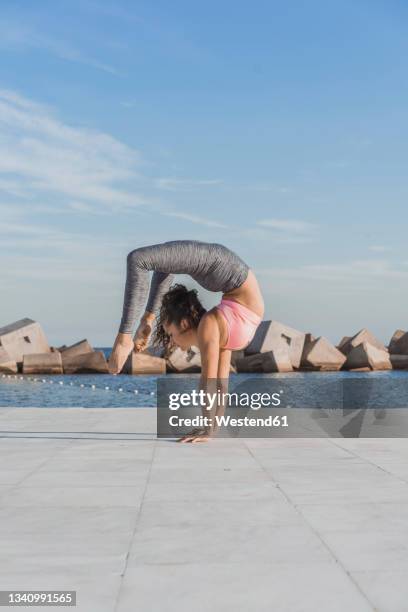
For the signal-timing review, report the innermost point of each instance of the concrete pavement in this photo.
(91, 501)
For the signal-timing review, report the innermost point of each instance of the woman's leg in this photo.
(139, 263)
(191, 257)
(211, 265)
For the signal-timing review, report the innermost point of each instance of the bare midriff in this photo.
(248, 294)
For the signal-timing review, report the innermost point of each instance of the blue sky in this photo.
(278, 129)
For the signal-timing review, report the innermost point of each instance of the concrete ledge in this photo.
(94, 362)
(42, 363)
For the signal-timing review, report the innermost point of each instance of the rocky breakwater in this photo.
(276, 347)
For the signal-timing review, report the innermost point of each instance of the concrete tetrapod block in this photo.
(7, 365)
(155, 351)
(400, 346)
(309, 342)
(365, 355)
(236, 355)
(184, 361)
(322, 355)
(42, 363)
(399, 362)
(277, 360)
(309, 338)
(343, 341)
(397, 335)
(364, 335)
(142, 363)
(23, 337)
(79, 348)
(94, 362)
(269, 337)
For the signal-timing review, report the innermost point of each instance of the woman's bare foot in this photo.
(143, 333)
(122, 347)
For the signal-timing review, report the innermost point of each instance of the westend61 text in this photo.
(255, 401)
(228, 421)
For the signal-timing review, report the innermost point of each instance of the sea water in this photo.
(387, 389)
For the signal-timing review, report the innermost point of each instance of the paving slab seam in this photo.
(62, 434)
(139, 509)
(63, 437)
(313, 530)
(16, 485)
(379, 467)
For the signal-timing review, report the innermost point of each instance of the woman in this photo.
(183, 321)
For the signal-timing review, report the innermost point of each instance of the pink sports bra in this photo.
(241, 323)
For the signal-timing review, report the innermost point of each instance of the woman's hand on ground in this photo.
(198, 438)
(120, 352)
(194, 431)
(196, 435)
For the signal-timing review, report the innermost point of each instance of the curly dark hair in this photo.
(177, 304)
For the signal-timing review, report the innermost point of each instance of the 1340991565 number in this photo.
(27, 598)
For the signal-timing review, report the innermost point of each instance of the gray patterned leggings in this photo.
(212, 265)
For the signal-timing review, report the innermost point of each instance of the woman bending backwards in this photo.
(182, 320)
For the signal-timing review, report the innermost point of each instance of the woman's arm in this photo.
(209, 345)
(224, 367)
(216, 365)
(220, 384)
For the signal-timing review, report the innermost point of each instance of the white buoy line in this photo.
(93, 387)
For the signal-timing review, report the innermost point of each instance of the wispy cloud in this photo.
(44, 252)
(196, 219)
(349, 271)
(269, 186)
(288, 225)
(128, 104)
(184, 184)
(19, 234)
(290, 231)
(336, 163)
(48, 170)
(26, 37)
(66, 52)
(379, 248)
(40, 157)
(49, 166)
(25, 268)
